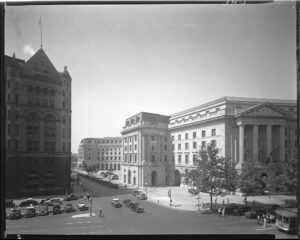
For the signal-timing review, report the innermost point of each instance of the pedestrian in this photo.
(223, 211)
(220, 211)
(265, 221)
(258, 219)
(100, 212)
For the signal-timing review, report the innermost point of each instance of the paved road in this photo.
(157, 219)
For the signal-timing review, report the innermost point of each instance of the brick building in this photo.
(37, 127)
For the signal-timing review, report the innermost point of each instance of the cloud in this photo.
(28, 50)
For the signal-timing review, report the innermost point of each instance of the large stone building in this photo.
(105, 152)
(242, 128)
(147, 151)
(38, 127)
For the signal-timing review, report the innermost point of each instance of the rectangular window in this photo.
(152, 138)
(213, 132)
(179, 137)
(135, 137)
(194, 145)
(194, 134)
(179, 146)
(194, 158)
(213, 143)
(179, 159)
(203, 143)
(166, 139)
(134, 146)
(166, 147)
(203, 133)
(186, 159)
(186, 136)
(17, 98)
(129, 139)
(16, 115)
(125, 140)
(186, 145)
(152, 158)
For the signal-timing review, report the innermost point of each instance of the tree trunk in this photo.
(211, 200)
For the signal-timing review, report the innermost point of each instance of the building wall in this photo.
(107, 152)
(26, 174)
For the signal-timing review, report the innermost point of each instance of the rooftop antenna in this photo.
(40, 24)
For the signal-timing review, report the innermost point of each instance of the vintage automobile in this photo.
(15, 213)
(56, 208)
(140, 210)
(286, 220)
(52, 201)
(69, 208)
(82, 206)
(126, 201)
(134, 206)
(240, 210)
(116, 203)
(141, 196)
(30, 212)
(71, 197)
(43, 210)
(256, 212)
(28, 202)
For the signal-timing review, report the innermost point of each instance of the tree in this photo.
(231, 175)
(90, 168)
(211, 174)
(248, 182)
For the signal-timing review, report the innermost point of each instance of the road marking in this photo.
(85, 227)
(17, 226)
(84, 222)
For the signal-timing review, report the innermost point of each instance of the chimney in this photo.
(14, 55)
(65, 68)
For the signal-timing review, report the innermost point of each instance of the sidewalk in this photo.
(183, 200)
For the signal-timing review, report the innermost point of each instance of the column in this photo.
(241, 145)
(282, 143)
(255, 143)
(292, 143)
(269, 141)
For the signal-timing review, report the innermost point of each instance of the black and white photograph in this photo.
(150, 118)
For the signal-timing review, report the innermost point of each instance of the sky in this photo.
(127, 59)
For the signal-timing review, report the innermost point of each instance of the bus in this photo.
(287, 220)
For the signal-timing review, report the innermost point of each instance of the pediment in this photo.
(263, 110)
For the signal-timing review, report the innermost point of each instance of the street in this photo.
(156, 219)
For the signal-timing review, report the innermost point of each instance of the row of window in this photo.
(132, 121)
(110, 166)
(107, 158)
(186, 145)
(186, 158)
(133, 158)
(107, 141)
(203, 134)
(134, 138)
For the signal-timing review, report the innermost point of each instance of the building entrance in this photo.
(154, 178)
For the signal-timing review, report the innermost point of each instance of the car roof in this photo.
(116, 199)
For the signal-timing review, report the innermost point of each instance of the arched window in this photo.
(33, 132)
(49, 133)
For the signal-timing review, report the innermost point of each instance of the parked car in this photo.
(135, 192)
(129, 204)
(56, 208)
(9, 203)
(141, 196)
(115, 177)
(71, 197)
(43, 210)
(134, 206)
(115, 201)
(52, 201)
(69, 208)
(255, 212)
(15, 213)
(82, 206)
(241, 210)
(30, 212)
(140, 210)
(126, 201)
(28, 202)
(118, 205)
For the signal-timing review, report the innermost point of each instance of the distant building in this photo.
(38, 127)
(105, 152)
(242, 128)
(147, 151)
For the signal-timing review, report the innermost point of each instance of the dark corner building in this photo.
(37, 127)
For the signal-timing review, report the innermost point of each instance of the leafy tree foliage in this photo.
(90, 168)
(213, 173)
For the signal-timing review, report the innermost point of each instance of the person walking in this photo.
(100, 212)
(223, 211)
(220, 211)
